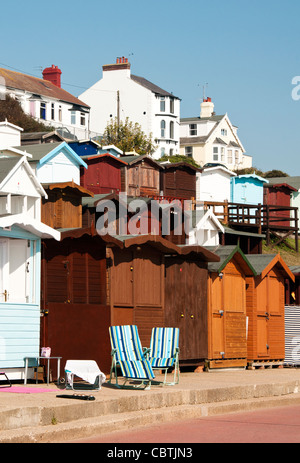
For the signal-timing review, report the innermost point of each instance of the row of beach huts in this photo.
(63, 282)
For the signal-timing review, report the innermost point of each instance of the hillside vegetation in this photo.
(290, 256)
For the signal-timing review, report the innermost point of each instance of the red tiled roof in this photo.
(17, 80)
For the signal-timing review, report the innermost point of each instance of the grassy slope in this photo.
(290, 256)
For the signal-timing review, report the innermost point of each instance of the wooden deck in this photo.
(279, 222)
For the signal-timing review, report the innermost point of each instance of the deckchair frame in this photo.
(132, 357)
(172, 354)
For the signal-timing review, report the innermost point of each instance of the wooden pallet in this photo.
(262, 364)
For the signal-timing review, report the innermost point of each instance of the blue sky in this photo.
(247, 52)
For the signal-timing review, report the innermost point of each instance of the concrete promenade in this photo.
(43, 418)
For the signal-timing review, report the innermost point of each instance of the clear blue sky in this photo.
(247, 51)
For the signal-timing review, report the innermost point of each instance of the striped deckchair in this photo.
(127, 353)
(164, 352)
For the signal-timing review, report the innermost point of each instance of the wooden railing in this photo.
(279, 221)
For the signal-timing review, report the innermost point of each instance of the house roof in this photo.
(38, 86)
(214, 118)
(152, 87)
(40, 135)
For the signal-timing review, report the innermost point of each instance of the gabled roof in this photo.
(226, 254)
(291, 181)
(43, 152)
(103, 156)
(9, 166)
(152, 87)
(37, 86)
(264, 263)
(130, 160)
(199, 217)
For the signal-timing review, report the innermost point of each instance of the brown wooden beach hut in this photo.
(153, 282)
(178, 180)
(140, 176)
(265, 309)
(227, 317)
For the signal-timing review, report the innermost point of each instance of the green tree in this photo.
(11, 110)
(128, 136)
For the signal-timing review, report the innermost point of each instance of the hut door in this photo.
(234, 293)
(263, 318)
(122, 288)
(134, 181)
(185, 306)
(218, 328)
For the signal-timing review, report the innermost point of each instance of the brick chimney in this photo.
(207, 108)
(121, 64)
(53, 75)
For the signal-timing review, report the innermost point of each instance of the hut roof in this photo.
(263, 263)
(226, 254)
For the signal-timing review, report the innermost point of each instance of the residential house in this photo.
(212, 138)
(120, 94)
(21, 232)
(45, 100)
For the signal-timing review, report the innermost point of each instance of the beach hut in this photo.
(227, 309)
(140, 176)
(248, 189)
(21, 231)
(178, 180)
(265, 309)
(103, 175)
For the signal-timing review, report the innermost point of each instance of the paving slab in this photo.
(43, 417)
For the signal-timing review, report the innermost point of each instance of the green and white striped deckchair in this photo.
(127, 353)
(164, 352)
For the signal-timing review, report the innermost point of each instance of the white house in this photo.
(205, 228)
(120, 94)
(212, 138)
(214, 184)
(47, 102)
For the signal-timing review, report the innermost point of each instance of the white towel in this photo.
(88, 370)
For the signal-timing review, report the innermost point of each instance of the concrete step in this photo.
(112, 422)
